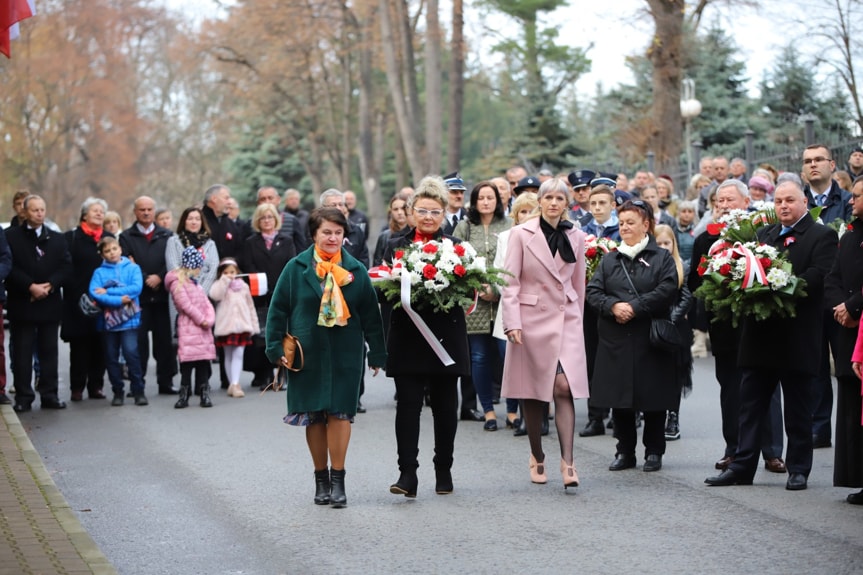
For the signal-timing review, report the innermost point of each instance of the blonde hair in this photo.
(525, 199)
(262, 210)
(665, 230)
(433, 188)
(113, 217)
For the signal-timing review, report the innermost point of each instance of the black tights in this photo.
(564, 420)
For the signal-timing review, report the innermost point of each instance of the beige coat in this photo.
(235, 310)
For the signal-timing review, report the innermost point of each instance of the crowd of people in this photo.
(552, 334)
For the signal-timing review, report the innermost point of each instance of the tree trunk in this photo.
(434, 107)
(456, 80)
(665, 55)
(404, 31)
(406, 128)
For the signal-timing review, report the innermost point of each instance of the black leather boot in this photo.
(205, 396)
(407, 483)
(322, 487)
(443, 480)
(338, 499)
(183, 400)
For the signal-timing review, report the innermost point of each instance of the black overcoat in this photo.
(793, 343)
(844, 284)
(85, 260)
(629, 372)
(41, 260)
(407, 350)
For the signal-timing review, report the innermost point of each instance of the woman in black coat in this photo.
(267, 251)
(86, 358)
(413, 364)
(629, 374)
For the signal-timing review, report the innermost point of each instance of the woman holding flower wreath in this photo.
(542, 318)
(413, 363)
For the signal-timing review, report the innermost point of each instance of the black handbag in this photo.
(663, 332)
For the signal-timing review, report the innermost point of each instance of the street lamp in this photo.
(689, 109)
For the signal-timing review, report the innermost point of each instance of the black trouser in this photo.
(848, 448)
(86, 363)
(444, 405)
(822, 384)
(729, 377)
(756, 393)
(25, 337)
(591, 343)
(203, 370)
(653, 436)
(468, 394)
(156, 318)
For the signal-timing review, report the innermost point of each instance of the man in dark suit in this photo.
(822, 190)
(580, 182)
(41, 264)
(784, 351)
(144, 242)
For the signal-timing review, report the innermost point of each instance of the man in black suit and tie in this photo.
(784, 351)
(455, 211)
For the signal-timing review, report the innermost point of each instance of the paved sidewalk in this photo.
(39, 533)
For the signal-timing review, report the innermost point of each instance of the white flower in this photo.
(777, 278)
(416, 277)
(477, 264)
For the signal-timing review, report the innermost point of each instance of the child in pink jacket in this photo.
(195, 318)
(236, 320)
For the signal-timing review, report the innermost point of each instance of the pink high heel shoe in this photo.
(570, 475)
(537, 471)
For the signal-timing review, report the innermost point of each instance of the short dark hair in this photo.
(819, 145)
(473, 212)
(321, 215)
(640, 207)
(105, 242)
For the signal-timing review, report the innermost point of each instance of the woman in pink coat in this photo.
(542, 317)
(195, 317)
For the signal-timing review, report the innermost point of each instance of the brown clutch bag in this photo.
(293, 352)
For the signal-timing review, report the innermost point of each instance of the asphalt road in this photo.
(228, 490)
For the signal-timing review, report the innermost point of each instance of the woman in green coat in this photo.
(484, 222)
(324, 297)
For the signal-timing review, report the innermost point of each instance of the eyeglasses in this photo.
(268, 217)
(818, 160)
(422, 212)
(335, 205)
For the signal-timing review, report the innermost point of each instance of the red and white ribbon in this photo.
(754, 271)
(421, 326)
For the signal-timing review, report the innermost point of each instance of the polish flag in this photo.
(12, 12)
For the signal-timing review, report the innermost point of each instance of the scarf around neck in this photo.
(557, 240)
(633, 251)
(194, 240)
(93, 232)
(334, 309)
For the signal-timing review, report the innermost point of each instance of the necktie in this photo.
(819, 199)
(599, 230)
(454, 220)
(785, 230)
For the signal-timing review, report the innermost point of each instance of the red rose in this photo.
(459, 270)
(715, 229)
(702, 270)
(591, 252)
(459, 250)
(430, 248)
(765, 262)
(399, 254)
(429, 272)
(725, 269)
(849, 227)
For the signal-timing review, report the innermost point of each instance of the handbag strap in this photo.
(629, 279)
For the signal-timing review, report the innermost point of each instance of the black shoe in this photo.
(820, 442)
(205, 396)
(4, 399)
(443, 481)
(360, 408)
(167, 391)
(118, 399)
(338, 499)
(796, 482)
(622, 461)
(322, 487)
(22, 407)
(141, 400)
(855, 498)
(652, 462)
(472, 415)
(520, 428)
(53, 403)
(490, 425)
(406, 485)
(728, 477)
(594, 427)
(672, 427)
(183, 400)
